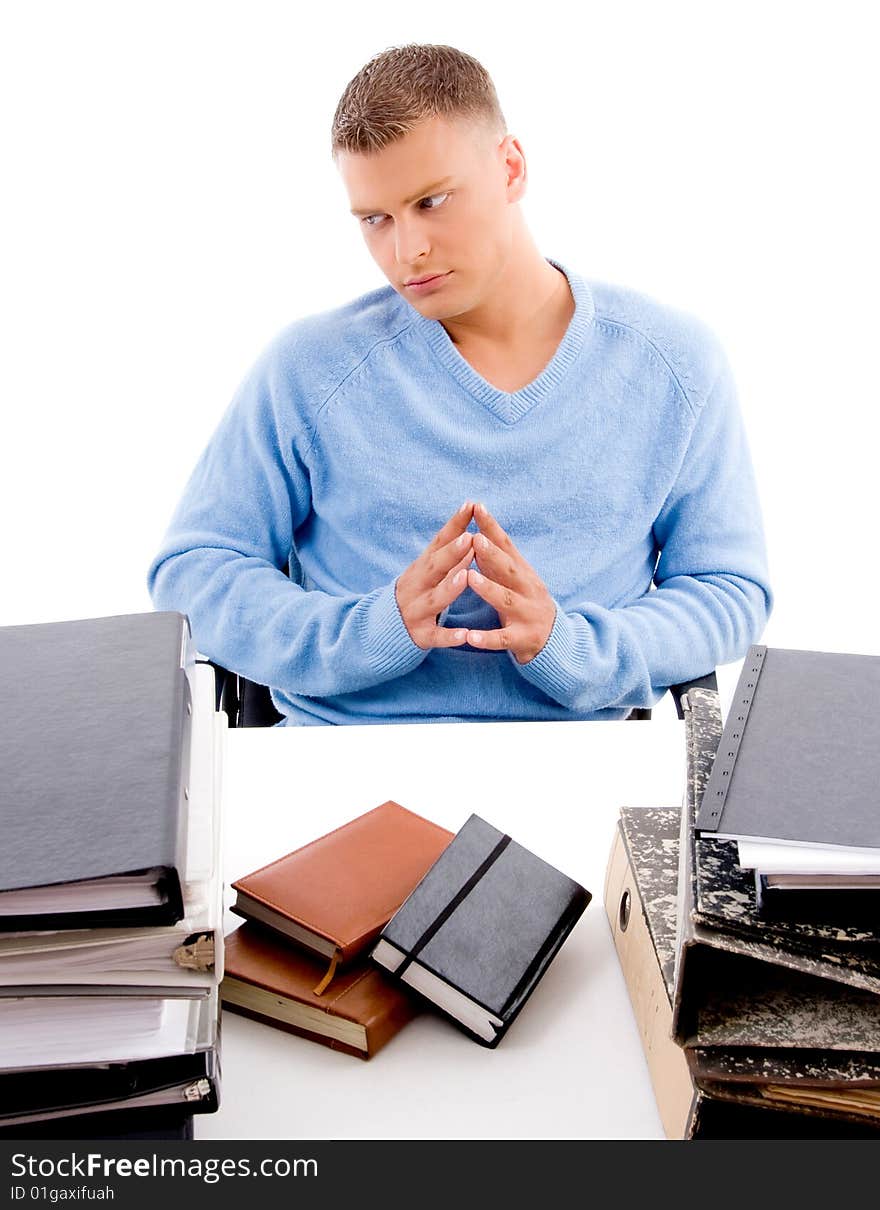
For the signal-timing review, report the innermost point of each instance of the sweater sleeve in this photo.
(712, 597)
(221, 563)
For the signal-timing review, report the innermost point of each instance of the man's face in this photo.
(435, 211)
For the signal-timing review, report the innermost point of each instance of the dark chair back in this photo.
(248, 704)
(245, 703)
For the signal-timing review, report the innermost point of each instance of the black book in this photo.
(185, 1083)
(166, 1122)
(95, 753)
(479, 931)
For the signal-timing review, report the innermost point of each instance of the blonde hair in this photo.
(405, 85)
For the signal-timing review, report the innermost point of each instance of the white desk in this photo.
(571, 1066)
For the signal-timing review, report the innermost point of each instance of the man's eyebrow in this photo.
(424, 192)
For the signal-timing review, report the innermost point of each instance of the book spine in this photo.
(702, 721)
(390, 1020)
(178, 790)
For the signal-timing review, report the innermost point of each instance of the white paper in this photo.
(772, 858)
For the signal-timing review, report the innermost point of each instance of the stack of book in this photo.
(111, 947)
(345, 937)
(755, 1022)
(300, 962)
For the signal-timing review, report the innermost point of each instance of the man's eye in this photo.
(431, 203)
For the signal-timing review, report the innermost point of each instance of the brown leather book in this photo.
(336, 894)
(272, 982)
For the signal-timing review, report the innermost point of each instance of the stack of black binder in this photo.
(110, 881)
(766, 1022)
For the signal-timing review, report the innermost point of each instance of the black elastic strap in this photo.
(441, 918)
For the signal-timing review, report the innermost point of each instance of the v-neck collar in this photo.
(512, 406)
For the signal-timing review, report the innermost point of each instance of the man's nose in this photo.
(411, 239)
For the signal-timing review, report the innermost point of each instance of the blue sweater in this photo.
(622, 474)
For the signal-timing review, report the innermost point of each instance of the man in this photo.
(610, 541)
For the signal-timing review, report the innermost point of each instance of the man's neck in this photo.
(514, 335)
(530, 303)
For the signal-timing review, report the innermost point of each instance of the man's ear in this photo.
(514, 166)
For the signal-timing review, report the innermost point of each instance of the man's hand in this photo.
(514, 590)
(437, 577)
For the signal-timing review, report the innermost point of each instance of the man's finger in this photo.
(446, 637)
(454, 527)
(504, 567)
(487, 525)
(491, 640)
(449, 589)
(435, 564)
(499, 596)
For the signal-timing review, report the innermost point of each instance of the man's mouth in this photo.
(428, 279)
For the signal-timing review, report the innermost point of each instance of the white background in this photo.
(170, 203)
